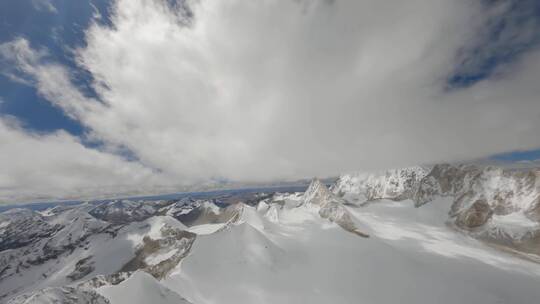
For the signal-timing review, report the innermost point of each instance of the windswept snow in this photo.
(41, 264)
(412, 257)
(287, 248)
(60, 295)
(516, 225)
(140, 288)
(395, 184)
(398, 223)
(205, 228)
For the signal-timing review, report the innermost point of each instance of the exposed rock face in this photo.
(272, 214)
(104, 280)
(159, 256)
(124, 211)
(396, 184)
(71, 241)
(331, 206)
(195, 212)
(87, 246)
(498, 205)
(477, 215)
(21, 227)
(82, 268)
(506, 191)
(443, 180)
(336, 212)
(534, 212)
(71, 231)
(318, 194)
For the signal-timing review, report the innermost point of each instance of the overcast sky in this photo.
(155, 93)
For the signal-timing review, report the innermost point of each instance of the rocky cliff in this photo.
(494, 204)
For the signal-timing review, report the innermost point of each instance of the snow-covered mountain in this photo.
(499, 205)
(368, 238)
(140, 288)
(125, 211)
(64, 295)
(330, 206)
(193, 212)
(66, 246)
(395, 184)
(20, 227)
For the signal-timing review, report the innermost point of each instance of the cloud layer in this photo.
(266, 90)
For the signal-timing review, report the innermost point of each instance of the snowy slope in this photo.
(412, 257)
(20, 227)
(394, 184)
(289, 248)
(86, 247)
(330, 207)
(63, 295)
(125, 211)
(197, 212)
(498, 205)
(140, 288)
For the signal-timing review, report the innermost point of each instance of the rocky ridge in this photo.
(331, 206)
(498, 205)
(71, 245)
(67, 252)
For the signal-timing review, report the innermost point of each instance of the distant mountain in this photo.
(498, 205)
(368, 238)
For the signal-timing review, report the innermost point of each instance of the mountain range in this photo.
(426, 234)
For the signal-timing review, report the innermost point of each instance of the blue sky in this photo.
(59, 31)
(220, 102)
(498, 47)
(518, 156)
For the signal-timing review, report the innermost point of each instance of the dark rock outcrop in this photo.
(475, 216)
(331, 207)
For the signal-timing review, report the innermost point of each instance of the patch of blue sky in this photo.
(58, 30)
(61, 29)
(518, 156)
(506, 37)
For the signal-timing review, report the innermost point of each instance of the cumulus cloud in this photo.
(265, 90)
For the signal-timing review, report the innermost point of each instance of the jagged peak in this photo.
(395, 184)
(316, 193)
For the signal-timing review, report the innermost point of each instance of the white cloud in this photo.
(51, 80)
(56, 165)
(260, 90)
(44, 5)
